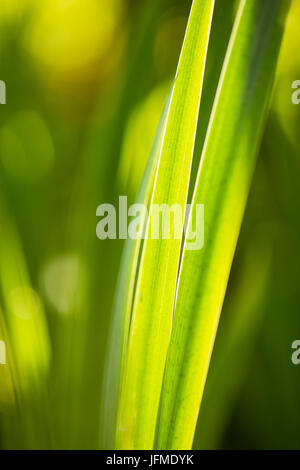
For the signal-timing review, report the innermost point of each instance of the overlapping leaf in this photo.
(222, 185)
(156, 284)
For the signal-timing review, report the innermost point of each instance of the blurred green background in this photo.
(86, 82)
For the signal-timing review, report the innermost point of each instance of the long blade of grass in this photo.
(222, 185)
(234, 346)
(154, 297)
(27, 332)
(124, 297)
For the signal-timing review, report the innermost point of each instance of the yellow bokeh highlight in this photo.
(62, 282)
(138, 139)
(70, 35)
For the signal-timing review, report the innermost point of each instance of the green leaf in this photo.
(222, 185)
(124, 296)
(154, 297)
(27, 339)
(240, 324)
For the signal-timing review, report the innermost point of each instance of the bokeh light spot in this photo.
(26, 147)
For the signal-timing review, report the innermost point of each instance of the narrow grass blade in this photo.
(154, 297)
(124, 297)
(222, 185)
(26, 319)
(240, 325)
(7, 374)
(28, 335)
